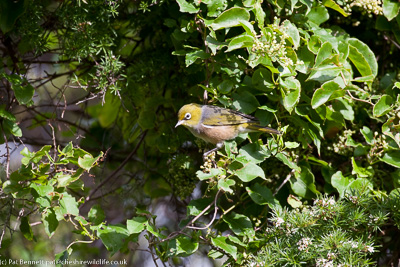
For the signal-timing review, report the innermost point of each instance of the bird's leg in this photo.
(219, 145)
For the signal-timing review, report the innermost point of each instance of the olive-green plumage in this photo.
(215, 124)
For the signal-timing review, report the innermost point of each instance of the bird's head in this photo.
(189, 115)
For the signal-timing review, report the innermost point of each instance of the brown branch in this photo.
(126, 160)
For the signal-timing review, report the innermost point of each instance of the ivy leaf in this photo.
(182, 246)
(383, 106)
(113, 237)
(69, 205)
(87, 161)
(50, 222)
(226, 184)
(222, 243)
(230, 18)
(26, 229)
(96, 215)
(136, 224)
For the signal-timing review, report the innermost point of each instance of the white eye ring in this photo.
(188, 116)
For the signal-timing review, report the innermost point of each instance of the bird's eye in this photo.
(188, 116)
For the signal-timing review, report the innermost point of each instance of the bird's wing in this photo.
(225, 117)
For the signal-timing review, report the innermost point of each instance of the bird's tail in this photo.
(264, 129)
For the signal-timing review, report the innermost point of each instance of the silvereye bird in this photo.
(215, 124)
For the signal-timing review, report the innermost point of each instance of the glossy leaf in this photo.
(383, 106)
(230, 18)
(323, 94)
(221, 242)
(392, 158)
(262, 195)
(390, 9)
(239, 224)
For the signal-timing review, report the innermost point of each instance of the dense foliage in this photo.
(89, 94)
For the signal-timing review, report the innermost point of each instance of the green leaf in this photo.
(108, 112)
(62, 257)
(291, 145)
(368, 135)
(225, 86)
(10, 11)
(26, 229)
(240, 41)
(262, 80)
(229, 18)
(113, 237)
(340, 182)
(323, 94)
(383, 106)
(294, 202)
(362, 57)
(262, 195)
(226, 184)
(207, 175)
(7, 115)
(318, 15)
(290, 100)
(50, 222)
(252, 152)
(22, 89)
(136, 224)
(293, 33)
(246, 172)
(88, 161)
(304, 185)
(69, 205)
(221, 242)
(390, 9)
(282, 157)
(215, 7)
(196, 206)
(182, 246)
(245, 101)
(192, 56)
(334, 6)
(344, 108)
(186, 7)
(392, 158)
(360, 171)
(96, 215)
(239, 224)
(12, 128)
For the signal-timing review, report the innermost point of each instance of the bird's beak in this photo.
(179, 123)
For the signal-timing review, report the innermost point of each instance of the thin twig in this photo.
(284, 182)
(126, 160)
